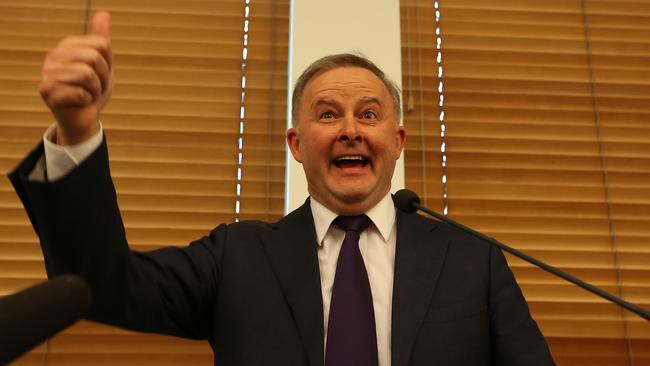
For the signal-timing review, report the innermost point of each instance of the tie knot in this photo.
(353, 223)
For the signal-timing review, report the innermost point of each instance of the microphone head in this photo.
(407, 200)
(30, 316)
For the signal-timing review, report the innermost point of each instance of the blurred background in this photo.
(526, 119)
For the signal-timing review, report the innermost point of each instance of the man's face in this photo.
(347, 139)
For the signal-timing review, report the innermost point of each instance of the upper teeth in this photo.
(352, 157)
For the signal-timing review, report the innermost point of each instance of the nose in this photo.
(350, 131)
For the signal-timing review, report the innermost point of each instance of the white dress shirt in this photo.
(60, 160)
(377, 243)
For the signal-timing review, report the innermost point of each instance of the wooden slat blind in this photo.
(266, 110)
(619, 36)
(172, 128)
(532, 91)
(421, 107)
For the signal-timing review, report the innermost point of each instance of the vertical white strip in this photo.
(441, 103)
(289, 163)
(242, 112)
(314, 35)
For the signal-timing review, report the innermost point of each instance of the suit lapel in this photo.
(292, 252)
(419, 258)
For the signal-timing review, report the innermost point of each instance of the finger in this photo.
(102, 24)
(60, 96)
(80, 76)
(74, 58)
(69, 46)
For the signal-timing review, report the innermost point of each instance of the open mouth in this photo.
(350, 161)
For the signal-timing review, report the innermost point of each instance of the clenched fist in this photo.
(77, 81)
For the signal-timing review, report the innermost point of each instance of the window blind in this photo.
(173, 127)
(547, 146)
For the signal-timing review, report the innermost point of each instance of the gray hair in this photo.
(332, 62)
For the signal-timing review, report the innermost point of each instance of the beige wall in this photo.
(320, 28)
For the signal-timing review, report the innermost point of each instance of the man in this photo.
(346, 279)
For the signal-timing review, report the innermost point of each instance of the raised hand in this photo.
(77, 81)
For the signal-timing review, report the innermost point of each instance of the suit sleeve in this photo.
(78, 222)
(516, 338)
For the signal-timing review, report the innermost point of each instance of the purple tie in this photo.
(351, 334)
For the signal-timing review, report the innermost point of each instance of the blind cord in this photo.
(423, 140)
(441, 104)
(409, 58)
(271, 110)
(242, 112)
(410, 103)
(605, 177)
(87, 16)
(44, 358)
(46, 344)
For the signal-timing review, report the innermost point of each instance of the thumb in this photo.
(102, 24)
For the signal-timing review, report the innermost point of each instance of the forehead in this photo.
(356, 83)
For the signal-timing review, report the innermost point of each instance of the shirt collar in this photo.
(382, 215)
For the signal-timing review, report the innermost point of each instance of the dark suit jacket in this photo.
(252, 289)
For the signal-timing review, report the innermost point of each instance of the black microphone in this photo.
(408, 201)
(29, 317)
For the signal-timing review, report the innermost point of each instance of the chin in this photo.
(353, 197)
(352, 191)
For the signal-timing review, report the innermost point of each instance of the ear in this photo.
(400, 139)
(294, 143)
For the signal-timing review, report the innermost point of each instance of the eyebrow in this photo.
(332, 102)
(367, 100)
(326, 101)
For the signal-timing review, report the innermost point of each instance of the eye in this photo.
(327, 115)
(369, 115)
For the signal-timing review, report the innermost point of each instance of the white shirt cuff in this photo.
(61, 160)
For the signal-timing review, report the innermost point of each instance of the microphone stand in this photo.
(414, 201)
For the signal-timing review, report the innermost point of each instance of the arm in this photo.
(77, 81)
(57, 161)
(77, 219)
(516, 339)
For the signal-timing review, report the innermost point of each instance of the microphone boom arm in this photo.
(414, 201)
